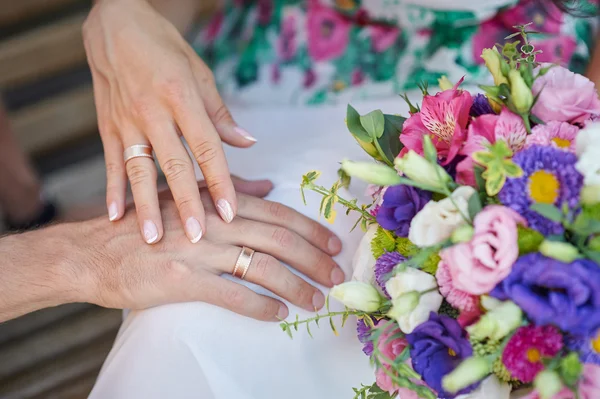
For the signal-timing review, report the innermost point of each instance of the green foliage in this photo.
(485, 347)
(405, 247)
(384, 241)
(592, 211)
(371, 392)
(448, 310)
(500, 371)
(498, 166)
(529, 240)
(570, 369)
(548, 211)
(431, 263)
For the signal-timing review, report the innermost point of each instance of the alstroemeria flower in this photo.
(444, 117)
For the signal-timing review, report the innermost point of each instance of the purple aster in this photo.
(550, 178)
(363, 330)
(437, 347)
(588, 347)
(384, 266)
(400, 204)
(553, 292)
(481, 106)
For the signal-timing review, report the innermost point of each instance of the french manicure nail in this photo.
(337, 276)
(334, 245)
(244, 134)
(225, 210)
(318, 300)
(282, 313)
(150, 232)
(194, 230)
(113, 211)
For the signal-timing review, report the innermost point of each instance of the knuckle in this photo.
(184, 202)
(175, 168)
(176, 271)
(267, 311)
(318, 233)
(234, 298)
(114, 169)
(283, 238)
(208, 78)
(142, 108)
(263, 264)
(144, 208)
(138, 174)
(174, 90)
(303, 293)
(278, 211)
(221, 114)
(205, 152)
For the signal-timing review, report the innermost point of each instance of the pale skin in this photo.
(106, 264)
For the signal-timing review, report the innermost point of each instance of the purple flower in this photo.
(436, 347)
(588, 347)
(363, 330)
(481, 106)
(400, 204)
(384, 265)
(549, 177)
(553, 292)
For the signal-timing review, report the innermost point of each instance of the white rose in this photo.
(437, 220)
(410, 280)
(589, 165)
(363, 263)
(588, 137)
(490, 388)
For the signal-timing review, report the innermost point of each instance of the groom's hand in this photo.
(115, 268)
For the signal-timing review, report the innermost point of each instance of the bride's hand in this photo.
(150, 87)
(124, 273)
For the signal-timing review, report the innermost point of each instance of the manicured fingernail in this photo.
(282, 313)
(225, 210)
(244, 134)
(150, 232)
(194, 230)
(318, 300)
(337, 276)
(113, 211)
(334, 245)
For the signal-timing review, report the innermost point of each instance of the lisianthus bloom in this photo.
(478, 265)
(437, 220)
(587, 137)
(461, 300)
(444, 117)
(481, 106)
(525, 350)
(485, 130)
(587, 388)
(565, 96)
(556, 134)
(390, 344)
(588, 347)
(357, 295)
(490, 388)
(408, 281)
(363, 331)
(400, 204)
(437, 347)
(384, 266)
(553, 292)
(588, 149)
(550, 178)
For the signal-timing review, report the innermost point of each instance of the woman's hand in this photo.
(121, 272)
(151, 87)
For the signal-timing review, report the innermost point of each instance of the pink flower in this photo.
(383, 37)
(565, 97)
(213, 28)
(328, 32)
(588, 387)
(286, 44)
(556, 134)
(459, 299)
(478, 265)
(444, 117)
(390, 349)
(487, 129)
(545, 18)
(488, 34)
(524, 351)
(555, 50)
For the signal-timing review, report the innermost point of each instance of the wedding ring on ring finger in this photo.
(137, 151)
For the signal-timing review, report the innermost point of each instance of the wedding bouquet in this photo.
(479, 273)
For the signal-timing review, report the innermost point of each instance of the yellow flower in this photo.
(492, 59)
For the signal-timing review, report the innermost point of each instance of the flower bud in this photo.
(521, 94)
(381, 175)
(358, 296)
(419, 170)
(445, 83)
(547, 383)
(590, 195)
(561, 251)
(493, 60)
(404, 304)
(497, 323)
(462, 233)
(470, 371)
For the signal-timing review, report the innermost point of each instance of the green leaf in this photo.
(383, 241)
(354, 125)
(511, 169)
(528, 240)
(494, 182)
(474, 206)
(535, 119)
(585, 226)
(429, 150)
(593, 255)
(548, 211)
(570, 369)
(389, 142)
(483, 157)
(373, 123)
(344, 179)
(478, 178)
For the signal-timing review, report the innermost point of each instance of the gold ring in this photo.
(243, 263)
(137, 151)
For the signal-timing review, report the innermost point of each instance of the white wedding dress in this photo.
(196, 350)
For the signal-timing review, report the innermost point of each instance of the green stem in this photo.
(323, 191)
(325, 316)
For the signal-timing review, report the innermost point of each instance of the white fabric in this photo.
(195, 350)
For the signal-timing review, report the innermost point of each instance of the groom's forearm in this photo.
(37, 271)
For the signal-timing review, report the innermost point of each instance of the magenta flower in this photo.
(287, 43)
(485, 130)
(328, 32)
(525, 350)
(556, 50)
(383, 37)
(390, 348)
(444, 117)
(565, 97)
(545, 17)
(555, 134)
(459, 299)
